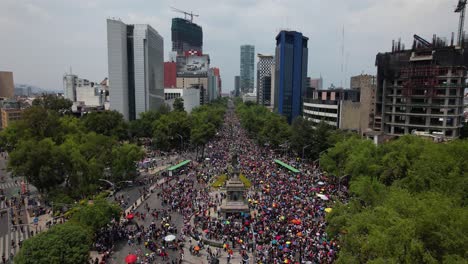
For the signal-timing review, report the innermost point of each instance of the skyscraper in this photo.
(186, 36)
(237, 85)
(290, 73)
(264, 78)
(136, 68)
(247, 62)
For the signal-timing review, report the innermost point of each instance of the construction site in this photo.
(421, 90)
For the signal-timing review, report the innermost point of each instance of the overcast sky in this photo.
(41, 39)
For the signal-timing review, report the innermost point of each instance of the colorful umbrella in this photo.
(328, 210)
(169, 238)
(130, 258)
(130, 217)
(196, 248)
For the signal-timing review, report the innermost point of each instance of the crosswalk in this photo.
(3, 204)
(5, 241)
(8, 185)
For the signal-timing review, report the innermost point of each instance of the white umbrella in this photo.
(320, 183)
(323, 197)
(169, 238)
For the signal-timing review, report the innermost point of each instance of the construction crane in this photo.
(461, 9)
(186, 14)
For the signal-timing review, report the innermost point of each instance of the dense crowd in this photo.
(288, 209)
(286, 222)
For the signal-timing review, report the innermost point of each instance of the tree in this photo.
(143, 127)
(86, 157)
(67, 243)
(401, 228)
(407, 204)
(201, 133)
(275, 131)
(179, 104)
(94, 213)
(124, 159)
(167, 128)
(109, 123)
(302, 133)
(40, 123)
(41, 162)
(164, 109)
(54, 103)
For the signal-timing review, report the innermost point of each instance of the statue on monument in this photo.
(235, 165)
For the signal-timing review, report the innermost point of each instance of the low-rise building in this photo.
(349, 109)
(249, 97)
(11, 111)
(10, 115)
(84, 93)
(331, 106)
(191, 97)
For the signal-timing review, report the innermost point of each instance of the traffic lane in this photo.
(130, 195)
(123, 249)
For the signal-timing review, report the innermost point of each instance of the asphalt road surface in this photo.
(7, 234)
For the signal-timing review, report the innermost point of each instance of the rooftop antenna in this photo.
(461, 6)
(186, 14)
(342, 57)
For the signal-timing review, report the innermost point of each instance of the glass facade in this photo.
(186, 36)
(136, 68)
(247, 64)
(290, 73)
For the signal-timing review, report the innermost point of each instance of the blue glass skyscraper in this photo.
(290, 73)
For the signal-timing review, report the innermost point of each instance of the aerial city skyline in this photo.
(335, 65)
(246, 131)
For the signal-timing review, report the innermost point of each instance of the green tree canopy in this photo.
(179, 104)
(408, 201)
(54, 103)
(41, 162)
(109, 123)
(63, 244)
(124, 159)
(94, 213)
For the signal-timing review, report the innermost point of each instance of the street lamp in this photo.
(303, 148)
(109, 182)
(181, 140)
(320, 155)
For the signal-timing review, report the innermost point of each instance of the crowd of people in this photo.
(287, 219)
(285, 224)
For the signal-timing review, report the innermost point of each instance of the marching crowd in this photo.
(286, 223)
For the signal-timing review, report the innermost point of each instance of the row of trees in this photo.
(178, 129)
(69, 242)
(57, 151)
(408, 200)
(301, 136)
(54, 150)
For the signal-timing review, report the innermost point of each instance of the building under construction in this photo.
(420, 90)
(186, 36)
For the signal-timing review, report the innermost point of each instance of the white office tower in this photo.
(136, 68)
